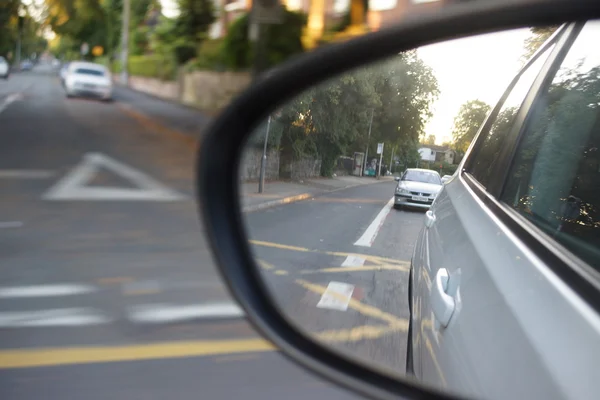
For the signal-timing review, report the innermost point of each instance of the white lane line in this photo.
(10, 224)
(353, 261)
(337, 296)
(165, 313)
(45, 290)
(10, 99)
(26, 174)
(366, 240)
(57, 317)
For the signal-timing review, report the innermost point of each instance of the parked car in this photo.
(506, 269)
(4, 68)
(26, 65)
(417, 188)
(88, 79)
(63, 72)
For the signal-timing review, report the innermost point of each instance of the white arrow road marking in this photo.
(45, 290)
(370, 234)
(353, 261)
(26, 174)
(337, 296)
(73, 185)
(57, 317)
(164, 313)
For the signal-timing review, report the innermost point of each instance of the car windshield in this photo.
(421, 176)
(89, 71)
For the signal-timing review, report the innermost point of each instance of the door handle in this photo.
(441, 302)
(429, 219)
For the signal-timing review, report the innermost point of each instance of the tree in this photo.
(430, 139)
(467, 123)
(8, 25)
(538, 36)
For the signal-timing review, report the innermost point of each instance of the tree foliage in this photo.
(467, 123)
(282, 41)
(538, 36)
(333, 118)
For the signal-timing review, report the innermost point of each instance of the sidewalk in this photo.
(279, 193)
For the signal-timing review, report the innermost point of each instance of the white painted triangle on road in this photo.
(75, 185)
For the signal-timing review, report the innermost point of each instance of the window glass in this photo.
(485, 159)
(88, 71)
(421, 176)
(555, 178)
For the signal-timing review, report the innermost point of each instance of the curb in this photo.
(299, 197)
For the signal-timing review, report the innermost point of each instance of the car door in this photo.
(476, 287)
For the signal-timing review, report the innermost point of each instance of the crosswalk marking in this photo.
(165, 313)
(45, 290)
(56, 317)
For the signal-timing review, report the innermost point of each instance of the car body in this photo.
(4, 68)
(505, 273)
(63, 72)
(446, 178)
(417, 188)
(88, 79)
(26, 65)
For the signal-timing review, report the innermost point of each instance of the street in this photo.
(108, 285)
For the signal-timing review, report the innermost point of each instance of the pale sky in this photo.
(480, 67)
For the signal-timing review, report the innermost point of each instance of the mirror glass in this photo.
(348, 183)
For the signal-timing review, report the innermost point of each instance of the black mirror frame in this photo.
(221, 147)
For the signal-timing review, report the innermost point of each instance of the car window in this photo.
(492, 141)
(421, 176)
(89, 71)
(555, 179)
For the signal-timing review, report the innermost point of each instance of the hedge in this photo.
(148, 66)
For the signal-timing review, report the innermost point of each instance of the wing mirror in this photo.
(288, 197)
(397, 178)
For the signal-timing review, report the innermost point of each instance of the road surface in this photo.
(108, 287)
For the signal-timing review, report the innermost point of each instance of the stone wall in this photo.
(250, 165)
(207, 90)
(301, 169)
(210, 90)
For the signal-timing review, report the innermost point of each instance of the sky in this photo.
(479, 67)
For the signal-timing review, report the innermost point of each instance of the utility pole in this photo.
(20, 23)
(391, 160)
(263, 161)
(368, 138)
(125, 42)
(380, 160)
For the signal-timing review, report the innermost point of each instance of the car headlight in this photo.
(401, 190)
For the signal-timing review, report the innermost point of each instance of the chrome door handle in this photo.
(441, 302)
(429, 219)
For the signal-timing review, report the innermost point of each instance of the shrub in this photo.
(152, 66)
(210, 56)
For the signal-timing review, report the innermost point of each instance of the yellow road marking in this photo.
(265, 265)
(369, 311)
(357, 269)
(367, 257)
(27, 358)
(154, 125)
(281, 272)
(357, 333)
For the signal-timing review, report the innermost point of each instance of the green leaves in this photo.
(467, 123)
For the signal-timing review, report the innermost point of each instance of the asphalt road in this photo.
(108, 288)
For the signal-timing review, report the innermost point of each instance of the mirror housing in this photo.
(219, 158)
(397, 178)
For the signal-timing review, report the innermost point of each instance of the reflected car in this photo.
(88, 79)
(498, 270)
(4, 68)
(446, 178)
(417, 188)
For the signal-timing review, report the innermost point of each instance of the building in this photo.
(433, 153)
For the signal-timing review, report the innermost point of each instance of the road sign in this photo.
(76, 184)
(85, 48)
(379, 148)
(266, 12)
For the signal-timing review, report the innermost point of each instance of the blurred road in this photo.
(107, 285)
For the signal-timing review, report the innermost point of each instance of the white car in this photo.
(88, 79)
(417, 188)
(4, 68)
(446, 178)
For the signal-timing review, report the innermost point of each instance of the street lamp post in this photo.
(368, 138)
(263, 161)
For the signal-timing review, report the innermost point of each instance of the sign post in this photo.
(380, 152)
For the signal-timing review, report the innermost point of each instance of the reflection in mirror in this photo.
(343, 197)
